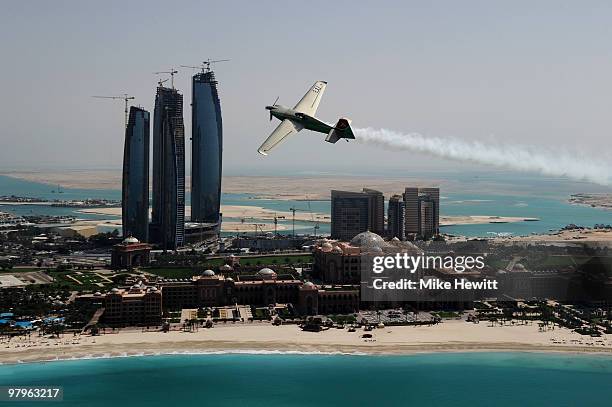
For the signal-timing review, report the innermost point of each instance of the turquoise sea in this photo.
(495, 194)
(444, 379)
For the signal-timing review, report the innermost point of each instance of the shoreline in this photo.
(200, 348)
(594, 200)
(289, 339)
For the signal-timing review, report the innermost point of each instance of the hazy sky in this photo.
(532, 72)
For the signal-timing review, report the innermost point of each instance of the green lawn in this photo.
(89, 281)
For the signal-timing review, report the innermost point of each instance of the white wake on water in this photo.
(514, 157)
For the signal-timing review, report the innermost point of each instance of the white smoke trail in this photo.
(521, 158)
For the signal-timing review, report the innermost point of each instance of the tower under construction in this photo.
(168, 212)
(206, 148)
(135, 182)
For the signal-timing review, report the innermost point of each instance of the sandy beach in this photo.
(601, 236)
(233, 211)
(259, 213)
(481, 220)
(450, 336)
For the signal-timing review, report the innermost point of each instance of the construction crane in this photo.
(276, 218)
(125, 97)
(171, 72)
(205, 67)
(258, 226)
(293, 211)
(316, 222)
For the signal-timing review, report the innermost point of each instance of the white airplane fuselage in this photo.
(282, 112)
(307, 122)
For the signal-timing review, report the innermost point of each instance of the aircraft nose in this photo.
(269, 107)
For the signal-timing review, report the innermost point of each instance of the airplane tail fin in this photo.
(342, 129)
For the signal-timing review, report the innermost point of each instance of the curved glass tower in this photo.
(207, 149)
(135, 183)
(168, 212)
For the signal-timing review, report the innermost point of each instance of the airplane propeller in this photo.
(273, 104)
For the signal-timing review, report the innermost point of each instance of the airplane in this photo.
(302, 117)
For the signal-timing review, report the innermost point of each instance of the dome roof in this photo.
(326, 246)
(266, 272)
(226, 267)
(518, 267)
(114, 290)
(208, 273)
(368, 240)
(130, 239)
(405, 246)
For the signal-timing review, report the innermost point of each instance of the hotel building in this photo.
(340, 262)
(136, 305)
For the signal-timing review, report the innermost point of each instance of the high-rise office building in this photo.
(168, 211)
(411, 202)
(207, 149)
(422, 211)
(135, 182)
(396, 218)
(356, 212)
(427, 215)
(434, 195)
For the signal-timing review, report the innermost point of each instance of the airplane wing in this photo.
(284, 130)
(311, 99)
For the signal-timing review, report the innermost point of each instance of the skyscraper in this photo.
(135, 182)
(422, 211)
(356, 212)
(411, 201)
(207, 148)
(168, 213)
(396, 215)
(427, 217)
(434, 195)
